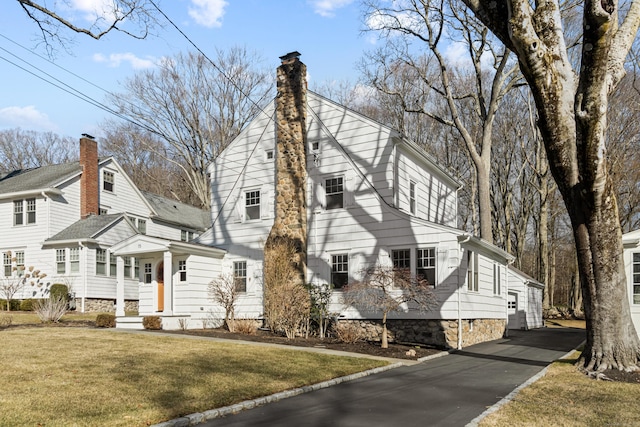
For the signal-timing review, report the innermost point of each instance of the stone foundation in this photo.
(97, 305)
(440, 333)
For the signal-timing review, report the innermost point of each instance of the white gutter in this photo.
(24, 193)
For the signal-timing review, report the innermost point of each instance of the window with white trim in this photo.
(24, 212)
(472, 271)
(7, 264)
(182, 270)
(412, 197)
(339, 270)
(147, 272)
(497, 279)
(269, 154)
(426, 265)
(74, 260)
(252, 204)
(136, 268)
(61, 261)
(186, 236)
(142, 225)
(636, 278)
(101, 262)
(334, 193)
(113, 265)
(240, 275)
(108, 182)
(127, 266)
(19, 259)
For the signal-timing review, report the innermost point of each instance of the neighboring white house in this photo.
(63, 219)
(524, 302)
(372, 197)
(631, 243)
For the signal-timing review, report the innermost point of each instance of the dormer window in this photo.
(107, 181)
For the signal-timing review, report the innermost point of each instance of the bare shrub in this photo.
(286, 300)
(224, 291)
(51, 310)
(348, 332)
(386, 289)
(153, 323)
(6, 321)
(183, 323)
(245, 326)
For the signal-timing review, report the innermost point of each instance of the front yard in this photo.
(57, 376)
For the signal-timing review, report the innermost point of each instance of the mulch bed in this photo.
(624, 377)
(395, 350)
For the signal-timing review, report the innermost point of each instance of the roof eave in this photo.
(51, 191)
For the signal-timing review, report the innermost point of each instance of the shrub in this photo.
(50, 310)
(348, 332)
(152, 322)
(245, 326)
(27, 304)
(183, 323)
(5, 321)
(59, 291)
(14, 305)
(106, 320)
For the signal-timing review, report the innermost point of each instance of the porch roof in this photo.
(141, 244)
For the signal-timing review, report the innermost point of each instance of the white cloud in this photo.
(327, 8)
(27, 118)
(116, 59)
(208, 13)
(94, 9)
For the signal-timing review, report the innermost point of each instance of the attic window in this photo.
(107, 181)
(269, 154)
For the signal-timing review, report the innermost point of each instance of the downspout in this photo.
(84, 276)
(459, 296)
(44, 195)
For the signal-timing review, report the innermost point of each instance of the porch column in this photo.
(168, 284)
(120, 286)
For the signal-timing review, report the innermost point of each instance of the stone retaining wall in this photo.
(96, 305)
(441, 333)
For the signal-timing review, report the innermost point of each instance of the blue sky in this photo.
(326, 32)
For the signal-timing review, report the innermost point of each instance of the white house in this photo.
(365, 195)
(63, 219)
(631, 243)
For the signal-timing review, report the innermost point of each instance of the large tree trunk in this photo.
(573, 122)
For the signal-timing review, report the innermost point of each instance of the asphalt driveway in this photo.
(447, 391)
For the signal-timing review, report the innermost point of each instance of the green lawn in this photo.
(56, 376)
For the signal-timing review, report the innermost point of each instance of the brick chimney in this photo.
(89, 181)
(290, 223)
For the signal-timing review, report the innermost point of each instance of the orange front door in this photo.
(160, 279)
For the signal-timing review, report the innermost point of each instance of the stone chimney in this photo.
(290, 223)
(89, 181)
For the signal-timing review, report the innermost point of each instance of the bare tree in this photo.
(224, 290)
(22, 149)
(472, 99)
(386, 289)
(135, 18)
(196, 107)
(572, 106)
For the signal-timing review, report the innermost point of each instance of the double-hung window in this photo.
(182, 270)
(240, 275)
(74, 260)
(142, 225)
(113, 266)
(147, 273)
(426, 265)
(20, 263)
(7, 264)
(472, 271)
(108, 182)
(127, 266)
(252, 204)
(101, 262)
(340, 270)
(334, 193)
(24, 212)
(61, 262)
